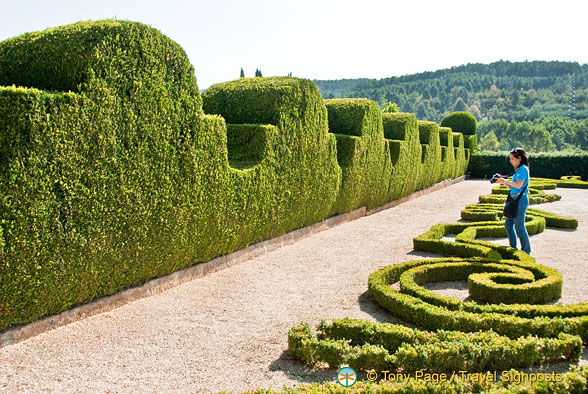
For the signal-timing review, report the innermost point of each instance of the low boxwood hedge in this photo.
(383, 346)
(508, 382)
(431, 316)
(464, 335)
(536, 196)
(494, 211)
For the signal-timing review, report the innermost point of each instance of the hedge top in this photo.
(462, 122)
(397, 124)
(350, 116)
(123, 55)
(263, 100)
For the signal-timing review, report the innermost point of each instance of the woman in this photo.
(520, 161)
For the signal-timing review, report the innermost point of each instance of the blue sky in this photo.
(333, 39)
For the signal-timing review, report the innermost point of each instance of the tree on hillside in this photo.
(387, 106)
(459, 105)
(489, 142)
(258, 73)
(421, 111)
(552, 94)
(242, 73)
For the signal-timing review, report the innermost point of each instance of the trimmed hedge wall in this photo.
(111, 173)
(297, 181)
(431, 153)
(471, 143)
(447, 157)
(544, 165)
(361, 153)
(401, 134)
(94, 192)
(462, 154)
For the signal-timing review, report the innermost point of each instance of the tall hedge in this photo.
(361, 153)
(462, 154)
(402, 137)
(111, 173)
(103, 187)
(447, 153)
(545, 165)
(297, 181)
(431, 153)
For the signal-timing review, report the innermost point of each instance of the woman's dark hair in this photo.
(520, 152)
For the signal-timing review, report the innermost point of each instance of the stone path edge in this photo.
(23, 332)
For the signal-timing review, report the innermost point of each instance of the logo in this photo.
(346, 377)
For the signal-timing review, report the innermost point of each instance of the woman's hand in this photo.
(500, 180)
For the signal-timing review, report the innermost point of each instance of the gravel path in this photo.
(228, 330)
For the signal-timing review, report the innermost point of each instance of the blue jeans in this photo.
(515, 227)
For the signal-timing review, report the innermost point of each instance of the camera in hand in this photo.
(495, 177)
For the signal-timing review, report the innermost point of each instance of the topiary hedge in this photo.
(448, 158)
(462, 122)
(462, 156)
(471, 143)
(401, 134)
(297, 181)
(431, 153)
(94, 195)
(514, 330)
(361, 153)
(111, 173)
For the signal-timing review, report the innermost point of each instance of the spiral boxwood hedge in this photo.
(536, 195)
(493, 211)
(513, 329)
(115, 170)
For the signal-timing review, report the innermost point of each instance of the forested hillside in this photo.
(540, 105)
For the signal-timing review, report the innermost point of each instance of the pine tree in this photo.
(258, 72)
(460, 105)
(242, 73)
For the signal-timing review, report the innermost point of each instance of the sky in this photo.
(327, 39)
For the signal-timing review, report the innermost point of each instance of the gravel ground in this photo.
(228, 330)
